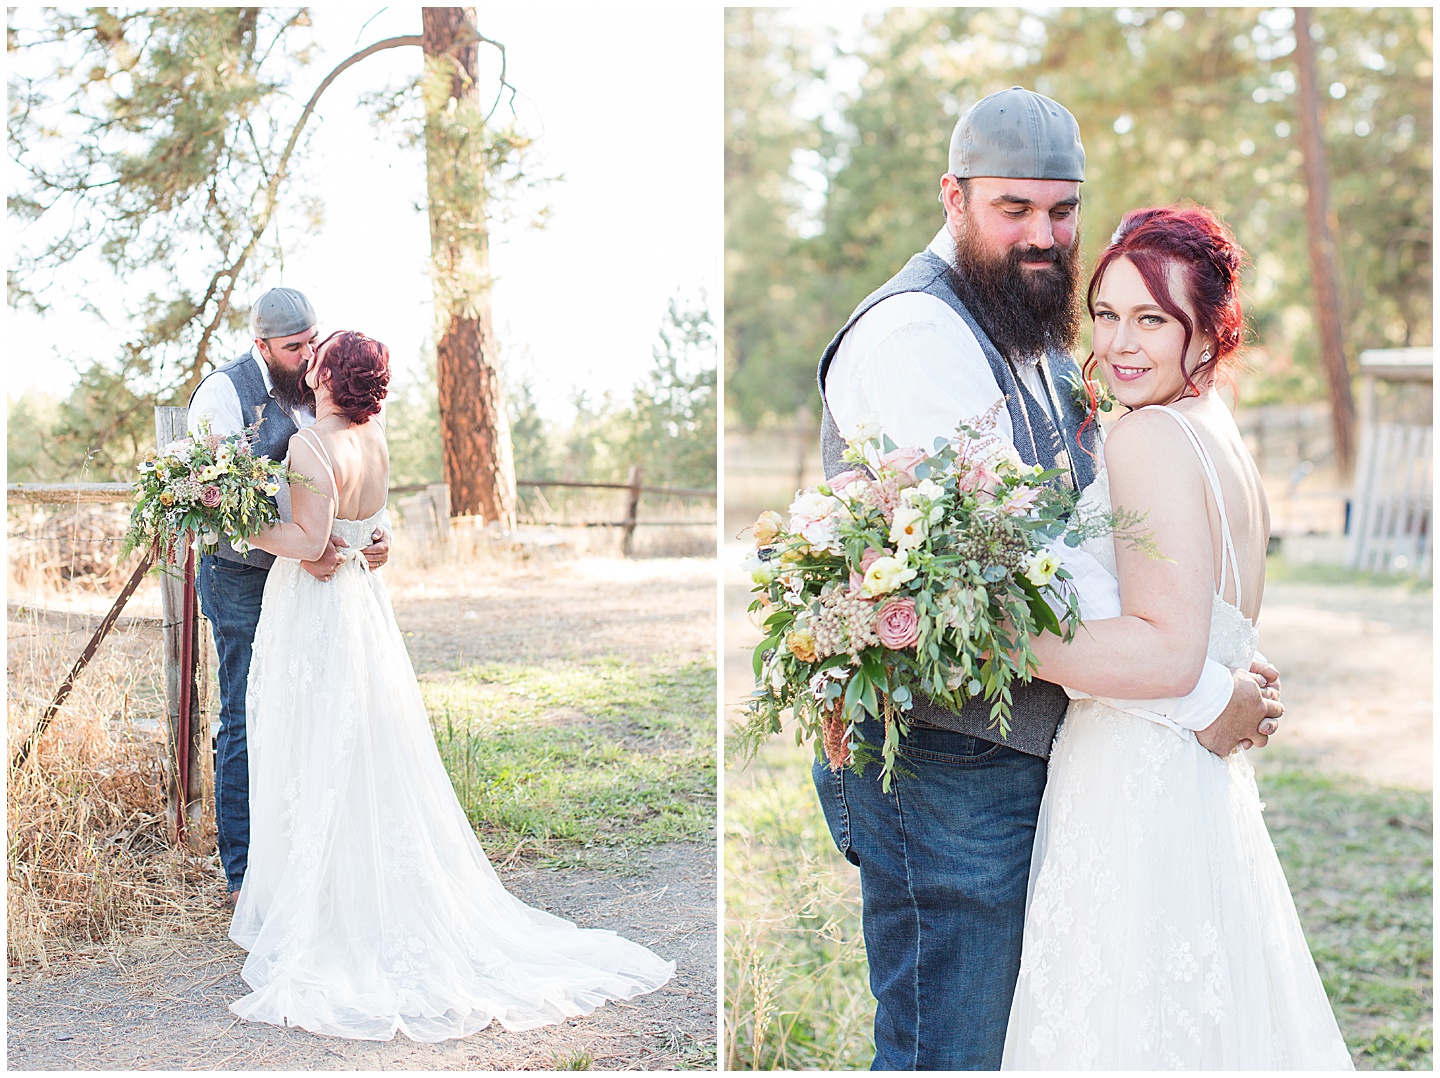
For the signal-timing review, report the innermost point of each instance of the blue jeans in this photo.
(944, 860)
(230, 596)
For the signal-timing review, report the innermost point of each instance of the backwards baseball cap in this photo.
(1020, 135)
(281, 312)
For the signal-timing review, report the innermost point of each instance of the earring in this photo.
(1205, 356)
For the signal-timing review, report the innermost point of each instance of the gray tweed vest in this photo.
(272, 439)
(1039, 706)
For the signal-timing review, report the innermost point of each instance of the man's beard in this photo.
(1024, 312)
(290, 388)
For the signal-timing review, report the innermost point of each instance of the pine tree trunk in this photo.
(474, 429)
(1322, 247)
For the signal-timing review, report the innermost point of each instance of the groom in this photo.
(266, 382)
(988, 310)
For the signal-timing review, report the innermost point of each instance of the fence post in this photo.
(632, 507)
(198, 765)
(439, 495)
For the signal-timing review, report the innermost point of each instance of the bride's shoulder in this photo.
(1148, 435)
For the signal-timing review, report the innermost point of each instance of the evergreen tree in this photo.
(163, 143)
(1173, 104)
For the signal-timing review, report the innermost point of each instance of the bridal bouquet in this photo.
(913, 572)
(206, 484)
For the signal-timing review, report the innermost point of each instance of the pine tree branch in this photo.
(272, 189)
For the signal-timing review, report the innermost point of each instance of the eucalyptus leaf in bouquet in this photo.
(913, 572)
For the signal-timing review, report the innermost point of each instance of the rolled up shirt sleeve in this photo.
(384, 522)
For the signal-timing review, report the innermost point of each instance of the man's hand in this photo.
(1271, 691)
(1252, 715)
(378, 552)
(323, 567)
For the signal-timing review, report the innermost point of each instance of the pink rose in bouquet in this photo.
(905, 460)
(1019, 502)
(844, 479)
(979, 477)
(210, 497)
(897, 624)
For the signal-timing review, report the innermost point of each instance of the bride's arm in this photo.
(1156, 648)
(307, 535)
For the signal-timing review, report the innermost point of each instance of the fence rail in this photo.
(67, 493)
(429, 516)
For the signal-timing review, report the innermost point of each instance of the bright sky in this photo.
(624, 103)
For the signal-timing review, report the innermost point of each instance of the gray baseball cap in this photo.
(1020, 135)
(281, 312)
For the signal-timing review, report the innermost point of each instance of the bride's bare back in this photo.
(360, 457)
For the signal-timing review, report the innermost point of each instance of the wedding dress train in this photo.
(1160, 933)
(368, 906)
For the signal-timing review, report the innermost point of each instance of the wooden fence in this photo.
(1392, 519)
(189, 763)
(428, 504)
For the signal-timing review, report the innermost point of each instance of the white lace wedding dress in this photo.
(1160, 933)
(368, 906)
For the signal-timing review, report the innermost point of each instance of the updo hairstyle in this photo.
(357, 371)
(1210, 261)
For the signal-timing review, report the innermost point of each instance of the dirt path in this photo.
(161, 1003)
(1356, 676)
(159, 999)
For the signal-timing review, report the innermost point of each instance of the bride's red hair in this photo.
(1211, 261)
(357, 370)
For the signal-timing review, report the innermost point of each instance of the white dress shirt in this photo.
(217, 400)
(916, 368)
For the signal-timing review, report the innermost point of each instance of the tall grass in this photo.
(796, 996)
(88, 847)
(1358, 858)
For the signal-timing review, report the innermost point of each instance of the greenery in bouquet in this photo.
(208, 484)
(911, 573)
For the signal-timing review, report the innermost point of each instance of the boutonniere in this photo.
(1084, 390)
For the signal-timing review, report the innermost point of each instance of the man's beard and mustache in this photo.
(290, 388)
(1024, 312)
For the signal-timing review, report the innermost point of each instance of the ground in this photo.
(158, 999)
(1356, 666)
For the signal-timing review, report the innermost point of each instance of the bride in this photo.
(1159, 930)
(368, 905)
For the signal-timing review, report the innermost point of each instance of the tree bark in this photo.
(474, 428)
(1322, 247)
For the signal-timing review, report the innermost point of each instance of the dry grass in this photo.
(89, 844)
